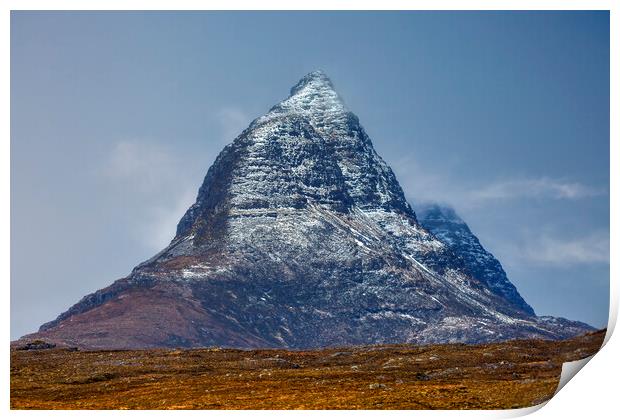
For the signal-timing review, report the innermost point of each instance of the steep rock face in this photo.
(301, 237)
(443, 222)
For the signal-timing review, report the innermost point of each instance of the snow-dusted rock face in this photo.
(301, 237)
(443, 222)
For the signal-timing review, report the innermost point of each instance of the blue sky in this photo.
(116, 117)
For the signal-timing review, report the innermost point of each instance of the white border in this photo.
(592, 395)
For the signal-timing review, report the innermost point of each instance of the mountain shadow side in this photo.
(301, 237)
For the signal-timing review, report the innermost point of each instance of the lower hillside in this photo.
(511, 374)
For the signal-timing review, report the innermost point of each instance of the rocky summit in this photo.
(301, 237)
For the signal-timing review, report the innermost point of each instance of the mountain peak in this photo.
(436, 212)
(443, 222)
(301, 237)
(368, 180)
(317, 80)
(314, 98)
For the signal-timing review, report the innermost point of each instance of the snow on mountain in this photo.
(301, 237)
(443, 222)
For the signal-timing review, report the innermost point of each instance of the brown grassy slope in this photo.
(503, 375)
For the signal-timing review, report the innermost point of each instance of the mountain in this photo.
(301, 237)
(443, 222)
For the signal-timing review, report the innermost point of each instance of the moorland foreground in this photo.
(511, 374)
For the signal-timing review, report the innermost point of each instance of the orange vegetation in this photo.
(511, 374)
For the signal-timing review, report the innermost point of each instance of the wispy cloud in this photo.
(145, 166)
(159, 227)
(153, 181)
(559, 250)
(543, 187)
(422, 184)
(157, 182)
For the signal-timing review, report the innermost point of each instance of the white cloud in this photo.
(158, 227)
(143, 166)
(543, 187)
(547, 249)
(422, 184)
(155, 184)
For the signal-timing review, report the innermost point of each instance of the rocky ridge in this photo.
(301, 237)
